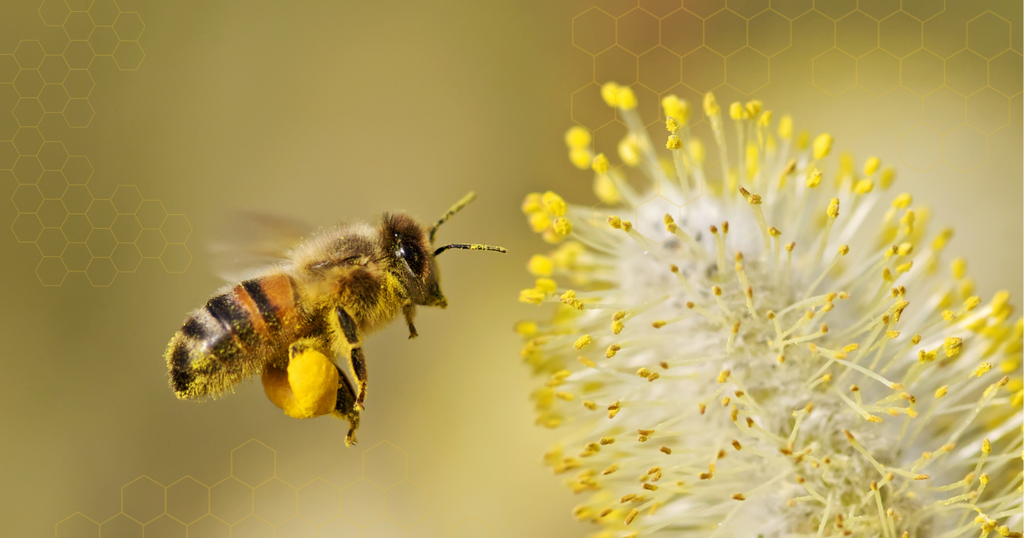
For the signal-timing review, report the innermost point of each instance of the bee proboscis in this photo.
(330, 291)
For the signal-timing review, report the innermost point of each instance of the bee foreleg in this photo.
(345, 408)
(409, 310)
(352, 348)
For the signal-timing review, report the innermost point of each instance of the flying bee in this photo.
(311, 311)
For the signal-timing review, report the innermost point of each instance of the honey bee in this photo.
(326, 294)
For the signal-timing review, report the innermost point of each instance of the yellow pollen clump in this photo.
(833, 208)
(562, 226)
(610, 93)
(674, 142)
(785, 129)
(871, 165)
(676, 108)
(626, 99)
(814, 179)
(582, 342)
(540, 265)
(736, 111)
(600, 163)
(982, 369)
(580, 158)
(577, 137)
(553, 203)
(711, 107)
(822, 145)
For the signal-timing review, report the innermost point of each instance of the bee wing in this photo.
(253, 241)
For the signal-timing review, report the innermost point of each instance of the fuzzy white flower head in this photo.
(778, 355)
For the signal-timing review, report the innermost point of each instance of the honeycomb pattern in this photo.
(694, 46)
(254, 501)
(73, 230)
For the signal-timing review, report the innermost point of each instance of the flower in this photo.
(778, 352)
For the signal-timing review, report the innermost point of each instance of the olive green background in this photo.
(332, 110)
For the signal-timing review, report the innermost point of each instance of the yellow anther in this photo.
(562, 226)
(822, 145)
(526, 328)
(986, 446)
(629, 152)
(833, 208)
(532, 204)
(864, 186)
(582, 342)
(610, 94)
(540, 265)
(844, 250)
(871, 165)
(586, 362)
(723, 376)
(887, 177)
(627, 226)
(565, 396)
(952, 346)
(531, 296)
(539, 221)
(765, 120)
(674, 142)
(658, 324)
(753, 108)
(676, 108)
(902, 201)
(553, 203)
(982, 369)
(814, 179)
(904, 249)
(736, 110)
(546, 285)
(611, 469)
(580, 158)
(590, 405)
(615, 222)
(611, 351)
(600, 163)
(786, 127)
(577, 137)
(671, 125)
(626, 99)
(617, 326)
(711, 107)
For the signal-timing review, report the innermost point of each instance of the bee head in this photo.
(406, 243)
(412, 248)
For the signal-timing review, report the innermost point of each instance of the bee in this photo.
(321, 300)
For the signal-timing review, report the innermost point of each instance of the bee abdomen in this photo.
(232, 336)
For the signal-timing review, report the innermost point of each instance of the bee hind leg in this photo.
(345, 407)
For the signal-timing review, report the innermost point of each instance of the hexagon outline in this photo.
(15, 53)
(36, 271)
(400, 449)
(937, 13)
(39, 12)
(257, 441)
(91, 520)
(572, 31)
(757, 52)
(189, 477)
(840, 51)
(140, 477)
(425, 490)
(967, 33)
(578, 122)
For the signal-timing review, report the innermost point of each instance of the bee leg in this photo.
(409, 310)
(354, 347)
(344, 408)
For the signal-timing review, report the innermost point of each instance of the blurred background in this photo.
(130, 131)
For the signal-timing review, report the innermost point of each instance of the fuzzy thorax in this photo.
(782, 354)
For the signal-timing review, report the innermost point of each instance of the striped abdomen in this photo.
(233, 336)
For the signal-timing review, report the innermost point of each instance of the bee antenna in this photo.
(451, 211)
(469, 246)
